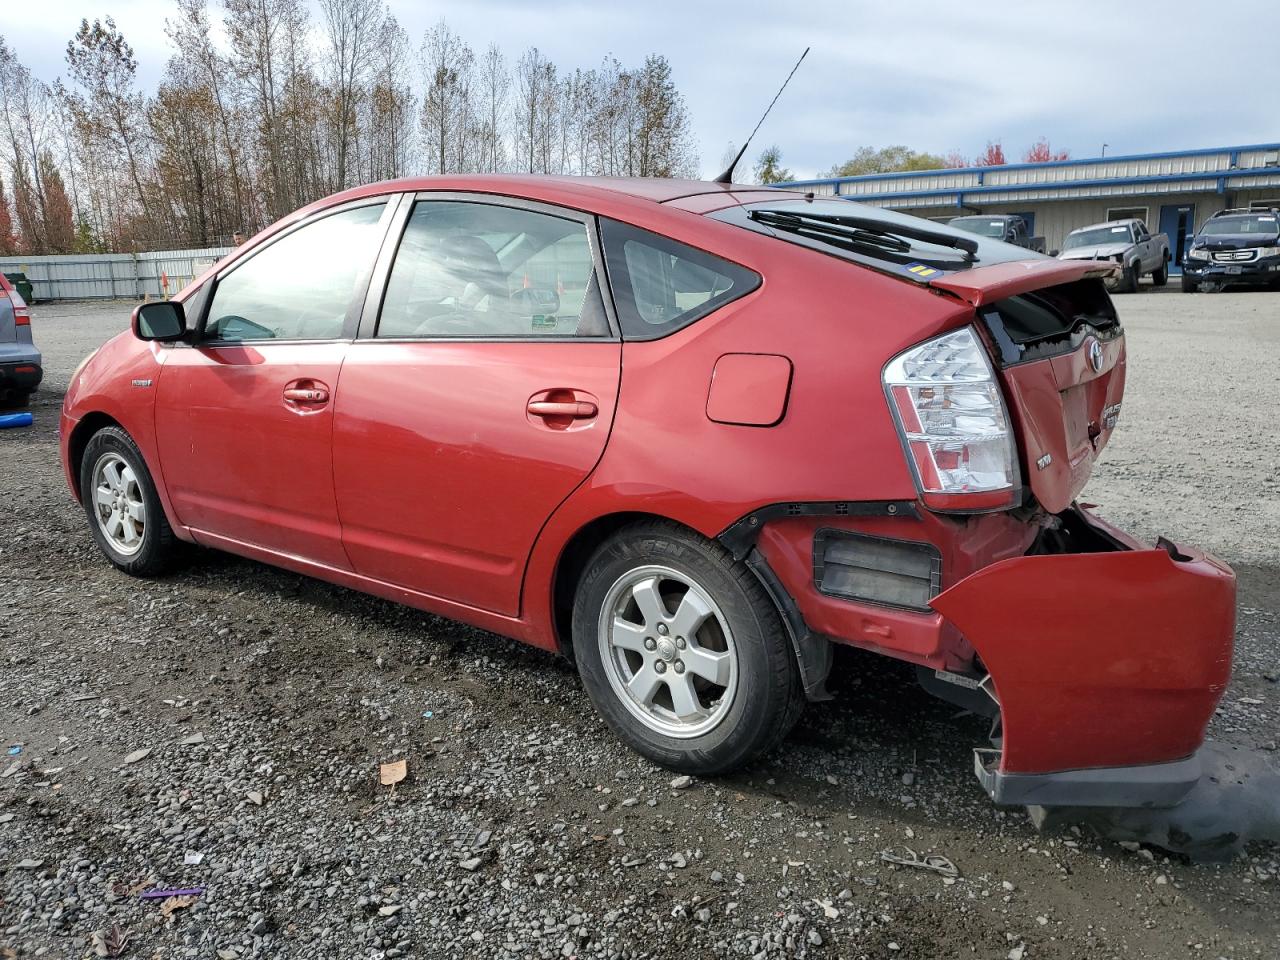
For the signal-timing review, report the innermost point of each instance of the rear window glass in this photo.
(892, 252)
(660, 285)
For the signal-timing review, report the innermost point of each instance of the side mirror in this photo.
(163, 321)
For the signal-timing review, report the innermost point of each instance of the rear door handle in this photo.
(574, 409)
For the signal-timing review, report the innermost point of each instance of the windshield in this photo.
(982, 226)
(1097, 237)
(872, 236)
(1266, 223)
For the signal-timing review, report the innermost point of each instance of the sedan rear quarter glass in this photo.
(661, 285)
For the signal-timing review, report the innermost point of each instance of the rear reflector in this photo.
(855, 566)
(24, 369)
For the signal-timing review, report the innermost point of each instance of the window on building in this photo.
(1128, 213)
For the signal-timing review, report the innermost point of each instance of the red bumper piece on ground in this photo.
(1107, 666)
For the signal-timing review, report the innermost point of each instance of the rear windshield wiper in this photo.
(865, 234)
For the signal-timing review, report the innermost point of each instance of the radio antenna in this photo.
(727, 176)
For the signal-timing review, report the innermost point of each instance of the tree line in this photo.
(273, 110)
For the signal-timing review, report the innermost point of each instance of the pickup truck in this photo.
(1126, 242)
(1008, 227)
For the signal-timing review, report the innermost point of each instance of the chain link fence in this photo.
(113, 276)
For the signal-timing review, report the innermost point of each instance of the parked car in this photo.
(22, 285)
(1126, 242)
(1234, 246)
(692, 435)
(1008, 227)
(20, 362)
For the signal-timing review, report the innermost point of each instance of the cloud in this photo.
(933, 75)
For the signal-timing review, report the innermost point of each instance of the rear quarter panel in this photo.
(836, 322)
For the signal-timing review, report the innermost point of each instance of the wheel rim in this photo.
(668, 651)
(118, 505)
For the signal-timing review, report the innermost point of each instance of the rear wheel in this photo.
(1161, 276)
(682, 651)
(120, 499)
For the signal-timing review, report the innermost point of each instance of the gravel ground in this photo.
(223, 729)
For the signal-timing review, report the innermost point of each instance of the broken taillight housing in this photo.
(951, 415)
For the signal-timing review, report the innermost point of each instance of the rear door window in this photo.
(479, 271)
(661, 285)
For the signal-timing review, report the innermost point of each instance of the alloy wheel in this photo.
(118, 503)
(668, 651)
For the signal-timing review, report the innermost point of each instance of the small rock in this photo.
(471, 864)
(138, 755)
(255, 798)
(29, 864)
(680, 783)
(390, 910)
(908, 779)
(815, 937)
(1018, 952)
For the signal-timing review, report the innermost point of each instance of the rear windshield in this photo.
(1097, 237)
(982, 226)
(1261, 223)
(877, 244)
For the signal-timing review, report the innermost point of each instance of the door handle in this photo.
(574, 409)
(306, 394)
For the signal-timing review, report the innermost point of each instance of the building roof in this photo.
(1211, 169)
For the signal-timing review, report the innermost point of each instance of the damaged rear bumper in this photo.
(1107, 663)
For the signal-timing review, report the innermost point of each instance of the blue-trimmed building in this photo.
(1173, 192)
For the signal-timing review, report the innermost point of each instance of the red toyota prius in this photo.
(692, 435)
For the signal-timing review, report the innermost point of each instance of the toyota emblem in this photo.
(1095, 355)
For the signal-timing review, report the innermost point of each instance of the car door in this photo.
(479, 395)
(244, 415)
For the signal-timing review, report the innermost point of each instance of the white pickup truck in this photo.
(1126, 242)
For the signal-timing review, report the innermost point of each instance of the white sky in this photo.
(933, 75)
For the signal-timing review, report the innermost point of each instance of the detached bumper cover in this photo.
(1107, 667)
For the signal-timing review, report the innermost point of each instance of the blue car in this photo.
(20, 363)
(1234, 246)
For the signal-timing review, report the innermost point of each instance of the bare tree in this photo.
(352, 27)
(492, 103)
(389, 105)
(447, 125)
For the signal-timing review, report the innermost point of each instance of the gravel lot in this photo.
(267, 701)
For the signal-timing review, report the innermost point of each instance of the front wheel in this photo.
(682, 651)
(1189, 285)
(1129, 279)
(124, 510)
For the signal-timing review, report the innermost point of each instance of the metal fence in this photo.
(112, 276)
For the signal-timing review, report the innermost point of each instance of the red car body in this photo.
(762, 425)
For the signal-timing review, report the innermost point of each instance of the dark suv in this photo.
(1234, 246)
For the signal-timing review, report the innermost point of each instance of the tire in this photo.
(113, 462)
(1129, 280)
(1161, 276)
(1189, 286)
(746, 691)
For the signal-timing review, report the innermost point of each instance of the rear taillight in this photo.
(21, 314)
(951, 415)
